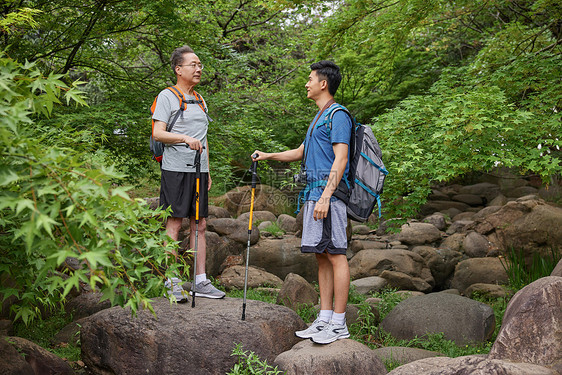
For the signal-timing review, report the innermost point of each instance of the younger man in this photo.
(324, 218)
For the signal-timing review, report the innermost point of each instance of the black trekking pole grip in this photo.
(254, 171)
(197, 164)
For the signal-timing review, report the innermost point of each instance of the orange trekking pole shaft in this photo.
(253, 170)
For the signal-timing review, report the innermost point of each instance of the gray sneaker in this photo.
(175, 291)
(207, 290)
(315, 328)
(331, 333)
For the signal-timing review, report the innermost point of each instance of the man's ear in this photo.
(324, 84)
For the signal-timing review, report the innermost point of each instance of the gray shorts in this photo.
(328, 234)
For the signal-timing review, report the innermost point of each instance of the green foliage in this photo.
(41, 332)
(254, 294)
(274, 229)
(12, 22)
(470, 84)
(307, 312)
(459, 127)
(521, 272)
(388, 300)
(55, 206)
(250, 363)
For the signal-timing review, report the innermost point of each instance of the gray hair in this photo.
(177, 56)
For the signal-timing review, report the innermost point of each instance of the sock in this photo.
(200, 278)
(325, 315)
(338, 318)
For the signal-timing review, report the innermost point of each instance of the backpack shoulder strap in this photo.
(199, 99)
(330, 115)
(183, 106)
(352, 144)
(177, 92)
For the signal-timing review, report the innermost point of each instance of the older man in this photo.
(178, 181)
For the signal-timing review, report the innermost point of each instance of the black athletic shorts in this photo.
(178, 190)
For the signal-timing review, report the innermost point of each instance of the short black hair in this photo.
(177, 56)
(329, 71)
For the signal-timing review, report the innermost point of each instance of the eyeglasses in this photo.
(194, 65)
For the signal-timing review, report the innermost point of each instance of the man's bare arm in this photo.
(161, 135)
(287, 156)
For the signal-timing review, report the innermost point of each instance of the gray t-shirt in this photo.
(192, 122)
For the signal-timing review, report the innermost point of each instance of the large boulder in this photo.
(233, 278)
(266, 198)
(13, 362)
(537, 231)
(418, 233)
(438, 219)
(485, 190)
(453, 242)
(368, 285)
(442, 206)
(441, 262)
(357, 245)
(478, 270)
(490, 291)
(185, 340)
(282, 257)
(86, 304)
(339, 358)
(527, 224)
(506, 215)
(401, 268)
(475, 245)
(40, 360)
(532, 325)
(441, 312)
(215, 212)
(257, 216)
(403, 281)
(469, 365)
(287, 222)
(234, 229)
(296, 292)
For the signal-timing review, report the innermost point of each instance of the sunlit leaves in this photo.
(460, 127)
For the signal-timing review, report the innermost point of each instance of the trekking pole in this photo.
(198, 180)
(253, 170)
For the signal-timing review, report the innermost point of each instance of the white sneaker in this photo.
(331, 333)
(315, 328)
(175, 291)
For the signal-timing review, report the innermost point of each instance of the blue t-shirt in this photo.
(319, 150)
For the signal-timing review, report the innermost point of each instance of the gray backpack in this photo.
(366, 175)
